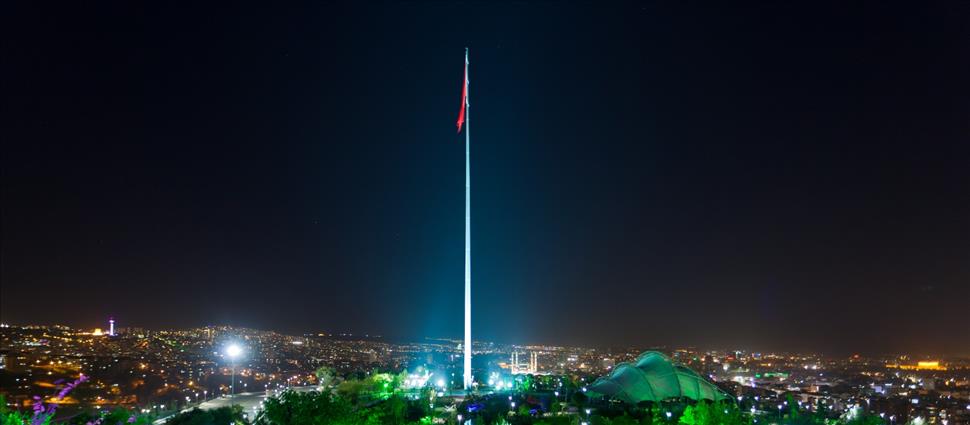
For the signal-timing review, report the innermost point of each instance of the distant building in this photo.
(518, 368)
(923, 365)
(608, 363)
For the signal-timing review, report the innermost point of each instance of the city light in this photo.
(265, 357)
(233, 351)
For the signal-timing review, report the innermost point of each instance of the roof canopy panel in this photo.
(655, 377)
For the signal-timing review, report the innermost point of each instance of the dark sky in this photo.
(787, 175)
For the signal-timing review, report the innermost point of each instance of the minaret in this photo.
(515, 363)
(111, 326)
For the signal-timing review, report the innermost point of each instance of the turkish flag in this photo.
(464, 98)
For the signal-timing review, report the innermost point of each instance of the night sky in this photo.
(788, 175)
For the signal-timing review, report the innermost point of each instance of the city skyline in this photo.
(786, 176)
(225, 335)
(161, 373)
(351, 335)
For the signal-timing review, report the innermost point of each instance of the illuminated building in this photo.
(935, 365)
(655, 377)
(532, 368)
(922, 365)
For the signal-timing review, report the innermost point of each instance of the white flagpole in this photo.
(468, 243)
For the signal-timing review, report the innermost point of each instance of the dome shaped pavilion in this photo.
(655, 377)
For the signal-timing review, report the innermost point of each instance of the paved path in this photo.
(250, 402)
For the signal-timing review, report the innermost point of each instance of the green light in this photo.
(654, 377)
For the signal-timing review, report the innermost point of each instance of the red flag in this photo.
(464, 97)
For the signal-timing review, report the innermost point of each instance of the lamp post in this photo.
(233, 351)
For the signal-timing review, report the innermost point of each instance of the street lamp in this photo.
(233, 351)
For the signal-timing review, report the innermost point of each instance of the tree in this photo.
(601, 420)
(196, 416)
(394, 411)
(325, 376)
(624, 420)
(579, 399)
(10, 417)
(689, 417)
(658, 416)
(122, 416)
(352, 389)
(306, 408)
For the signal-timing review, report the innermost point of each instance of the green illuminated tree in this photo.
(222, 415)
(658, 416)
(579, 399)
(10, 417)
(307, 408)
(689, 417)
(625, 419)
(353, 390)
(325, 376)
(394, 411)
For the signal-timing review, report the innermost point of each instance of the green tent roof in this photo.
(654, 377)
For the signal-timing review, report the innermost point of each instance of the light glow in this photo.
(233, 350)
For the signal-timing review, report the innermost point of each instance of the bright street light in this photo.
(233, 351)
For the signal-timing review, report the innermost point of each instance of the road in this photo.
(250, 402)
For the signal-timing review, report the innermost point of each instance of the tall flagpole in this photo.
(468, 243)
